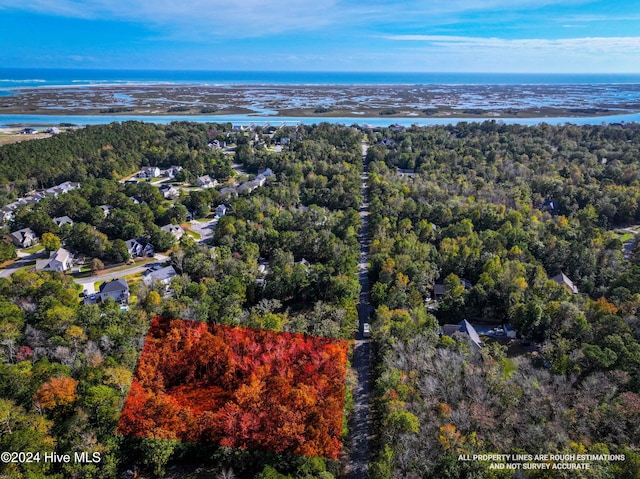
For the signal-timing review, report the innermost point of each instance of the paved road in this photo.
(88, 282)
(360, 452)
(204, 229)
(24, 259)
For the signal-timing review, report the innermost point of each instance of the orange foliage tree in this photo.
(239, 387)
(56, 392)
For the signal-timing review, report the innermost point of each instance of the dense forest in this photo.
(492, 212)
(487, 212)
(282, 259)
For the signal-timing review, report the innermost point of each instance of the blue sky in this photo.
(551, 36)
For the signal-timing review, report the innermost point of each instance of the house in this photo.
(24, 238)
(228, 191)
(60, 260)
(6, 214)
(247, 187)
(206, 181)
(172, 171)
(562, 280)
(263, 270)
(260, 179)
(52, 131)
(439, 289)
(221, 210)
(138, 247)
(68, 186)
(137, 200)
(463, 327)
(117, 289)
(175, 230)
(304, 263)
(28, 131)
(402, 172)
(149, 172)
(163, 275)
(170, 192)
(266, 172)
(218, 145)
(549, 205)
(106, 209)
(60, 221)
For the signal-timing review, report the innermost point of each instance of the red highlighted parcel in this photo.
(238, 387)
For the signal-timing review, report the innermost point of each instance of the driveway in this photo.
(204, 229)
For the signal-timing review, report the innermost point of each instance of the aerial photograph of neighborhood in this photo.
(319, 240)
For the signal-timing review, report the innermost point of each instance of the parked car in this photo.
(366, 330)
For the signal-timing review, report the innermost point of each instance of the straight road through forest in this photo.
(359, 454)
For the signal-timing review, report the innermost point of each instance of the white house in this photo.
(169, 191)
(206, 182)
(60, 260)
(149, 172)
(175, 230)
(138, 247)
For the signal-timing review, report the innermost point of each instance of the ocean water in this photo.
(11, 78)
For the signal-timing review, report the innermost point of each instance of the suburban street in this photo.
(88, 282)
(358, 466)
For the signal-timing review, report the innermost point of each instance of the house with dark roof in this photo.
(463, 327)
(117, 289)
(24, 238)
(564, 281)
(60, 260)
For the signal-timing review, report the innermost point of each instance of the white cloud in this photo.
(247, 18)
(583, 44)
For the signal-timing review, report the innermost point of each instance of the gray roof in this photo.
(563, 280)
(114, 286)
(63, 220)
(21, 234)
(61, 255)
(464, 327)
(161, 274)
